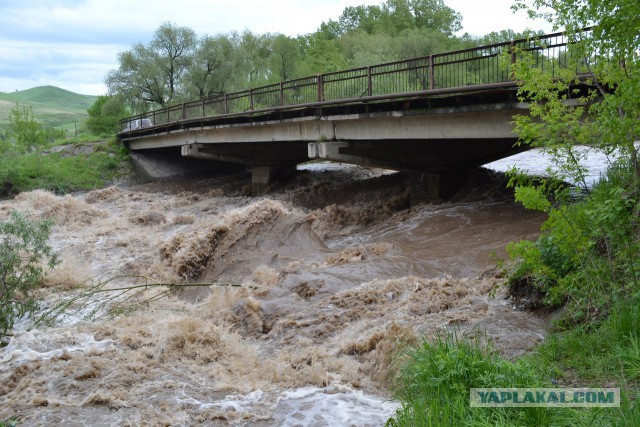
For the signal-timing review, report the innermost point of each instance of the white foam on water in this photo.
(33, 345)
(332, 406)
(238, 403)
(337, 405)
(536, 162)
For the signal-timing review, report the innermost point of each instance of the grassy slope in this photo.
(51, 105)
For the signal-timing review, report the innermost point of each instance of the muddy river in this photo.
(312, 288)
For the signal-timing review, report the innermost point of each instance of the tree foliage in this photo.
(176, 65)
(105, 115)
(24, 253)
(26, 133)
(587, 252)
(153, 74)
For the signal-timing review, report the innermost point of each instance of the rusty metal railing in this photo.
(466, 69)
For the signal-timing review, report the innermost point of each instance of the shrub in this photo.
(23, 252)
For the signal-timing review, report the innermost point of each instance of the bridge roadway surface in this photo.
(438, 133)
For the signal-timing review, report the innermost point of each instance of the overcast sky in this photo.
(72, 44)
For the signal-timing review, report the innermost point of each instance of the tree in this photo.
(105, 115)
(27, 132)
(23, 254)
(25, 128)
(152, 75)
(394, 16)
(611, 57)
(587, 252)
(214, 66)
(285, 53)
(255, 53)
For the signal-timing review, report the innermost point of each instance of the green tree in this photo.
(285, 54)
(611, 59)
(393, 17)
(587, 252)
(153, 75)
(214, 66)
(24, 253)
(105, 115)
(25, 128)
(26, 133)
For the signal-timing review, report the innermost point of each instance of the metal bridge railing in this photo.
(462, 69)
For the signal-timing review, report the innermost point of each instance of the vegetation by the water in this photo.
(61, 173)
(586, 257)
(24, 254)
(29, 159)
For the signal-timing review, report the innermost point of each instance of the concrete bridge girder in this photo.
(396, 125)
(439, 146)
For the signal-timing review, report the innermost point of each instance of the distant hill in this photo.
(52, 106)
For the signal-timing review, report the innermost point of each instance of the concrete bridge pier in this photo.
(263, 176)
(432, 187)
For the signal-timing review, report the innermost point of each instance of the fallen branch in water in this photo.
(87, 305)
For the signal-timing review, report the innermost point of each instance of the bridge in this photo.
(437, 117)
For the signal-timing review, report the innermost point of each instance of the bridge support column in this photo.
(433, 187)
(263, 176)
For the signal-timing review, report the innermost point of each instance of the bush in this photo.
(586, 254)
(23, 252)
(61, 174)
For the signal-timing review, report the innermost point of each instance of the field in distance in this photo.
(52, 106)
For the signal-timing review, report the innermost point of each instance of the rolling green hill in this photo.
(52, 106)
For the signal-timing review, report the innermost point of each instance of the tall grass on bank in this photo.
(435, 377)
(60, 174)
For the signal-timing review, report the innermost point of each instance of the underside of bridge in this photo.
(438, 145)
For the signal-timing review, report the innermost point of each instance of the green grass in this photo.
(52, 106)
(60, 174)
(434, 377)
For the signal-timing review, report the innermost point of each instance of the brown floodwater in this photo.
(323, 277)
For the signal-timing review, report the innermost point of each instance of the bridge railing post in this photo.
(281, 94)
(512, 50)
(251, 99)
(203, 112)
(432, 74)
(369, 82)
(320, 79)
(226, 104)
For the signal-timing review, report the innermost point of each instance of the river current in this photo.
(314, 285)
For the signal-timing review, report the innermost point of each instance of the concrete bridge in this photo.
(437, 117)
